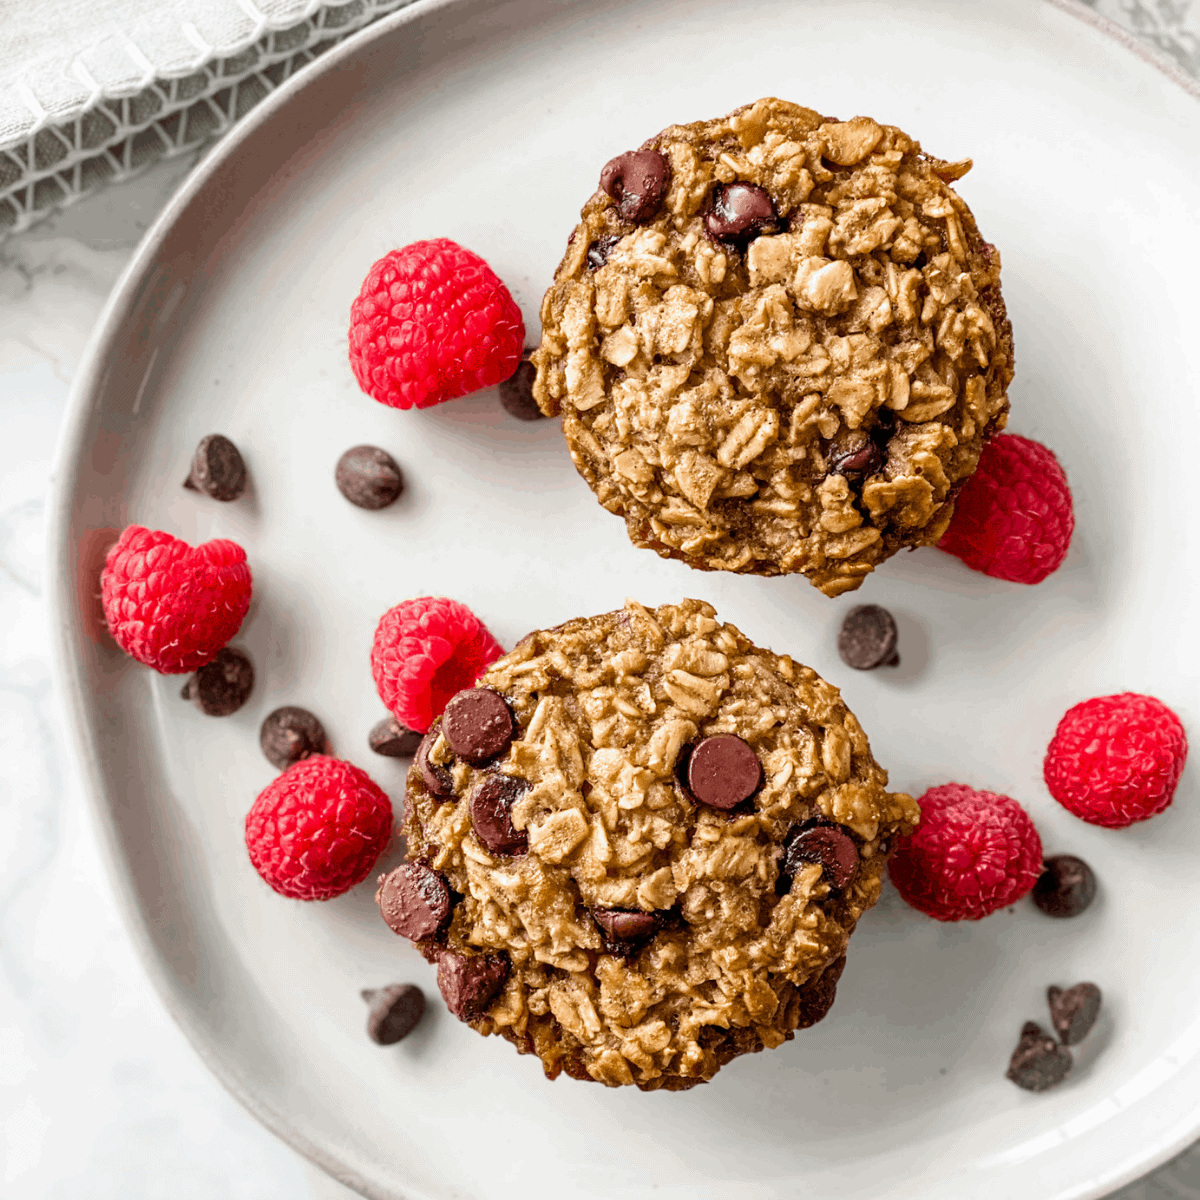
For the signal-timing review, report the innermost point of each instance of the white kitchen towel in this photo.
(93, 90)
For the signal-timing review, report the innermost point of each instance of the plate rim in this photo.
(67, 673)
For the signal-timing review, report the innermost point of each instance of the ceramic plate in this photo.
(488, 123)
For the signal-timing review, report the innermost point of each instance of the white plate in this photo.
(488, 123)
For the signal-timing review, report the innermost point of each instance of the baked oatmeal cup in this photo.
(777, 343)
(639, 845)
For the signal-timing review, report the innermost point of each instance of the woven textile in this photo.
(93, 90)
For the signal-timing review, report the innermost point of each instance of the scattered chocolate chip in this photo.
(437, 778)
(1073, 1012)
(491, 813)
(393, 740)
(470, 983)
(861, 462)
(414, 900)
(637, 181)
(868, 638)
(625, 926)
(516, 392)
(478, 724)
(600, 249)
(395, 1011)
(290, 734)
(722, 771)
(825, 844)
(217, 469)
(1066, 886)
(740, 212)
(1038, 1062)
(222, 686)
(368, 477)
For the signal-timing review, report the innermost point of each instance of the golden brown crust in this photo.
(709, 393)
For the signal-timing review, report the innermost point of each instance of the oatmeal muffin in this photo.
(778, 344)
(639, 845)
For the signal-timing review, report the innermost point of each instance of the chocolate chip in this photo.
(414, 900)
(599, 250)
(478, 725)
(722, 771)
(516, 392)
(637, 181)
(862, 461)
(368, 477)
(623, 925)
(217, 469)
(393, 740)
(222, 686)
(395, 1012)
(290, 734)
(491, 813)
(740, 212)
(1073, 1012)
(825, 844)
(868, 638)
(436, 777)
(469, 983)
(1038, 1062)
(1066, 886)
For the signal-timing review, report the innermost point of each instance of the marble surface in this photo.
(100, 1096)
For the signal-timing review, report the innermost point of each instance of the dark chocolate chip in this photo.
(491, 813)
(600, 249)
(368, 477)
(637, 181)
(825, 844)
(393, 740)
(395, 1011)
(516, 392)
(1066, 886)
(1073, 1012)
(217, 469)
(863, 461)
(414, 900)
(740, 212)
(1038, 1062)
(722, 771)
(222, 686)
(436, 777)
(290, 734)
(624, 925)
(868, 638)
(469, 983)
(478, 724)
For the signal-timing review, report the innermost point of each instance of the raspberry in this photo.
(1115, 760)
(974, 852)
(318, 829)
(431, 323)
(426, 651)
(170, 606)
(1013, 518)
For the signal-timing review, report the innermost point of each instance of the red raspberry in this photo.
(1116, 759)
(974, 852)
(170, 606)
(431, 323)
(426, 651)
(318, 829)
(1013, 518)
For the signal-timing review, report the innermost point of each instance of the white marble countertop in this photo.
(100, 1096)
